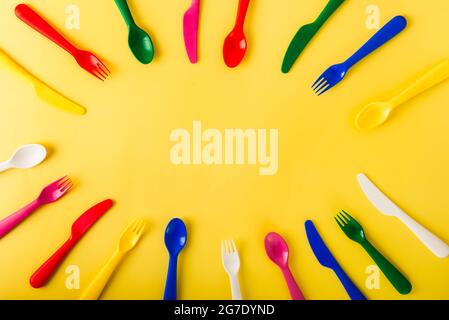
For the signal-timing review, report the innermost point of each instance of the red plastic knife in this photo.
(79, 228)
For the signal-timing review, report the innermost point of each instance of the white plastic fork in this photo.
(231, 263)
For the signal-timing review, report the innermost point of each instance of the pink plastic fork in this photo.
(49, 194)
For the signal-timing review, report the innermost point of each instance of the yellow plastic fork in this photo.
(43, 91)
(127, 242)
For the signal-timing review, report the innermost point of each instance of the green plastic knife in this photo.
(306, 33)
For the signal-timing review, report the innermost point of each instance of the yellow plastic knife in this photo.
(43, 91)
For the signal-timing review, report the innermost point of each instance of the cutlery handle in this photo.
(170, 284)
(293, 287)
(241, 13)
(435, 76)
(389, 31)
(10, 222)
(126, 13)
(46, 270)
(235, 288)
(4, 166)
(353, 292)
(330, 8)
(8, 63)
(31, 18)
(396, 278)
(97, 285)
(431, 241)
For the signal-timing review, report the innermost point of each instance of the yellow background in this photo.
(120, 149)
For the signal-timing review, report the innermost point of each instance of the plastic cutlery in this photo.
(79, 228)
(190, 27)
(354, 231)
(86, 60)
(49, 194)
(334, 74)
(306, 33)
(382, 203)
(235, 45)
(231, 263)
(175, 241)
(138, 40)
(277, 250)
(326, 259)
(375, 114)
(43, 91)
(25, 157)
(127, 242)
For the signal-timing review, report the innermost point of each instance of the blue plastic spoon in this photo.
(175, 240)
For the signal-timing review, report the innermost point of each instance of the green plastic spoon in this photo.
(138, 40)
(306, 33)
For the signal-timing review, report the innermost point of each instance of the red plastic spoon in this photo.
(235, 45)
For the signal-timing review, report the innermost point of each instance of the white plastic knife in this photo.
(388, 208)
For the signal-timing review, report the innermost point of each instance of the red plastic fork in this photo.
(87, 60)
(49, 194)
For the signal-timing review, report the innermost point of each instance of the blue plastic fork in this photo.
(337, 72)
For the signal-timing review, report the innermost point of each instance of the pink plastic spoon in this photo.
(277, 251)
(234, 48)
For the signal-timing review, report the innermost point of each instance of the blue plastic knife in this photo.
(327, 260)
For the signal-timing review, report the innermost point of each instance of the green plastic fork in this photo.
(354, 231)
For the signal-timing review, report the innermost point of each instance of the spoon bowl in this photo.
(28, 156)
(277, 249)
(373, 115)
(140, 44)
(234, 48)
(175, 236)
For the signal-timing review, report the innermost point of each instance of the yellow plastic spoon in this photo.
(376, 113)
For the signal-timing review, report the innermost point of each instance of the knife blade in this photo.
(377, 198)
(55, 99)
(326, 259)
(88, 218)
(306, 33)
(190, 28)
(42, 90)
(382, 203)
(79, 228)
(319, 248)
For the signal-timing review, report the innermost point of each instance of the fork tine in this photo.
(321, 86)
(142, 228)
(338, 222)
(67, 187)
(63, 183)
(103, 68)
(234, 246)
(324, 90)
(102, 72)
(348, 216)
(100, 63)
(231, 250)
(343, 221)
(343, 217)
(94, 74)
(58, 181)
(317, 82)
(231, 246)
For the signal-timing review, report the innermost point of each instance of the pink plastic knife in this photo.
(191, 22)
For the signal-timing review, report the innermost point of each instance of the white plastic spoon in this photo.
(25, 157)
